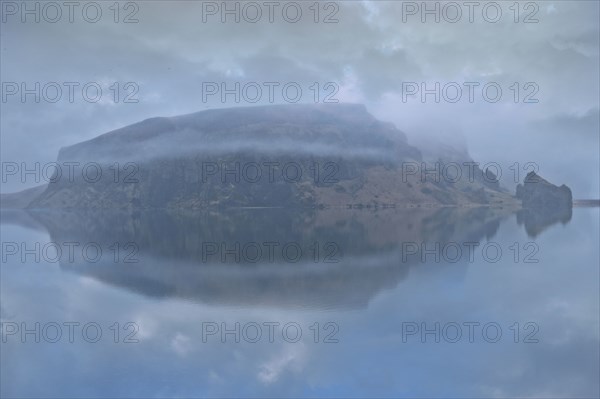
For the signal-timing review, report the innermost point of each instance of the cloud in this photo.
(369, 54)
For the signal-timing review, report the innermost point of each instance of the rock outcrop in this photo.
(536, 192)
(544, 204)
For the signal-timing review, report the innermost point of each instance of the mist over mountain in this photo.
(280, 155)
(338, 130)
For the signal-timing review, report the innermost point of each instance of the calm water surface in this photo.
(264, 302)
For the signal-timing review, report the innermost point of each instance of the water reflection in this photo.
(536, 220)
(276, 257)
(370, 285)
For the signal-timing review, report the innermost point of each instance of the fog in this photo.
(377, 53)
(349, 168)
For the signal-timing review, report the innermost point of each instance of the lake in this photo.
(419, 302)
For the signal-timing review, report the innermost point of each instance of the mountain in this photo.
(278, 155)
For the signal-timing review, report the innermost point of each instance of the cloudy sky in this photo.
(542, 55)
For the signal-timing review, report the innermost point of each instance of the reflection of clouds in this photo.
(148, 325)
(89, 283)
(560, 294)
(292, 359)
(215, 378)
(181, 344)
(4, 314)
(564, 311)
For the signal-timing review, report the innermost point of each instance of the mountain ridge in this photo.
(346, 157)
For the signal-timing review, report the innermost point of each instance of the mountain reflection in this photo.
(537, 220)
(331, 258)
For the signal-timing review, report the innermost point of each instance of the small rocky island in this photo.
(536, 192)
(543, 204)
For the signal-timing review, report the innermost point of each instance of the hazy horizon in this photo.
(373, 54)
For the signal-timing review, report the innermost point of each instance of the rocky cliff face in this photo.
(288, 155)
(536, 192)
